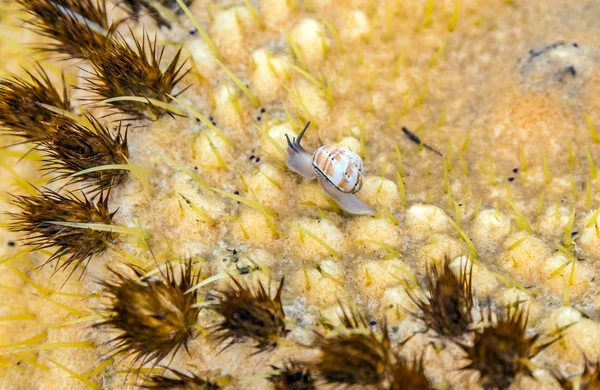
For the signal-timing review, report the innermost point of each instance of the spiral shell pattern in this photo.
(341, 167)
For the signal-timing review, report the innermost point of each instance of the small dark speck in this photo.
(196, 168)
(197, 119)
(193, 31)
(515, 170)
(237, 193)
(257, 159)
(258, 118)
(460, 204)
(373, 323)
(210, 118)
(251, 157)
(214, 123)
(573, 233)
(571, 69)
(234, 252)
(263, 110)
(575, 44)
(11, 243)
(511, 179)
(19, 363)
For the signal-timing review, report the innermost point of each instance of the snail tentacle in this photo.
(348, 202)
(299, 160)
(302, 133)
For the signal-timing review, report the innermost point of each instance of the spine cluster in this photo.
(154, 315)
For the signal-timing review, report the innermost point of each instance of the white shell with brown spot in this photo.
(341, 167)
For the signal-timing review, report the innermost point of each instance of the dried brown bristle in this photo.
(500, 351)
(589, 379)
(447, 309)
(178, 381)
(249, 314)
(404, 374)
(94, 11)
(356, 356)
(78, 245)
(73, 148)
(120, 70)
(134, 7)
(76, 25)
(153, 315)
(20, 112)
(292, 376)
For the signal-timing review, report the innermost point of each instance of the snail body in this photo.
(338, 170)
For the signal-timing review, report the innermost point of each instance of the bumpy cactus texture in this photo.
(157, 132)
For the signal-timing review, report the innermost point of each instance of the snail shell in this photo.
(341, 167)
(338, 170)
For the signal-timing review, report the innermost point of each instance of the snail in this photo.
(338, 170)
